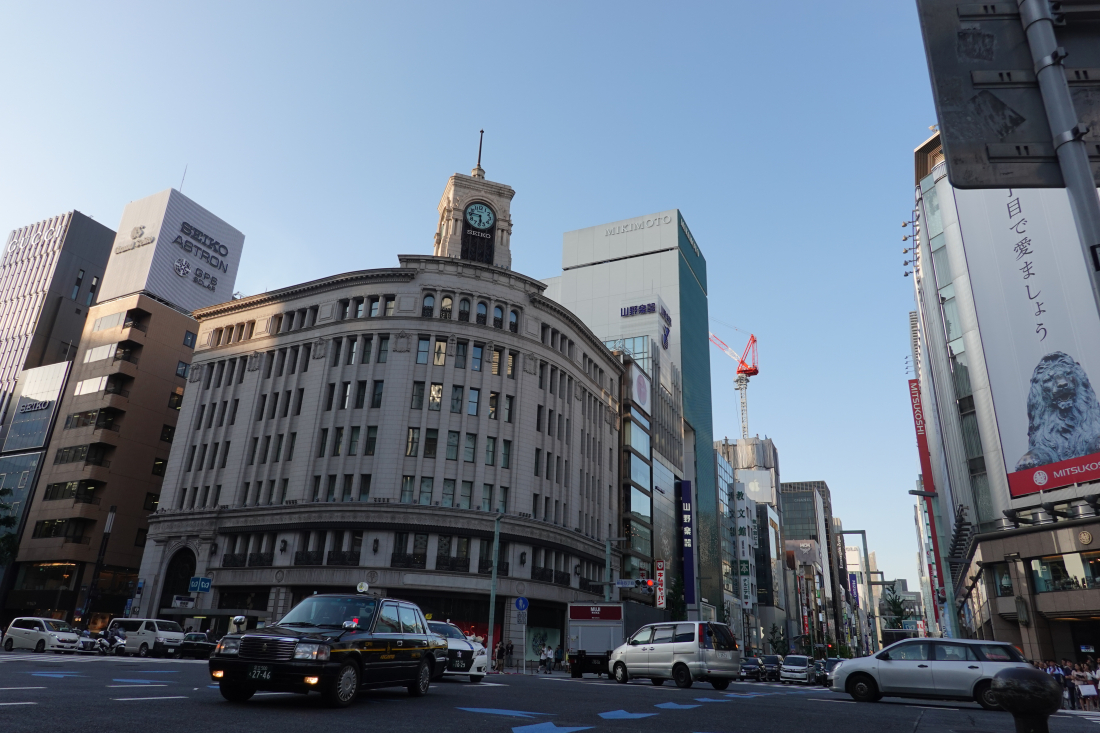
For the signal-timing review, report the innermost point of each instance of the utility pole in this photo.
(607, 565)
(98, 563)
(489, 648)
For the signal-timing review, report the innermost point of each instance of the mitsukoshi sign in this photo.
(1040, 331)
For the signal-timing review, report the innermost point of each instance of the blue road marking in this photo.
(747, 695)
(56, 675)
(158, 671)
(547, 728)
(138, 682)
(623, 715)
(510, 713)
(709, 699)
(674, 706)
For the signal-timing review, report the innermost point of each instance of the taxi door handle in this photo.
(973, 666)
(922, 666)
(401, 642)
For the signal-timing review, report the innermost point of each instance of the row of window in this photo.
(208, 458)
(553, 469)
(214, 374)
(423, 494)
(469, 449)
(446, 304)
(219, 413)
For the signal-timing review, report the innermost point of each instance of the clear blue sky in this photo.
(326, 132)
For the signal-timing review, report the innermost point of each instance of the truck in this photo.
(594, 630)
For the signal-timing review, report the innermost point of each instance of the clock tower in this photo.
(475, 221)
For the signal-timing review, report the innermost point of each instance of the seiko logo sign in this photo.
(205, 247)
(636, 225)
(35, 406)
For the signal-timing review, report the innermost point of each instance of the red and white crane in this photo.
(746, 367)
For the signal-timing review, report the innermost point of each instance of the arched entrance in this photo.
(177, 577)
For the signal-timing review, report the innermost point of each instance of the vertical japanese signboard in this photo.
(1040, 332)
(687, 538)
(928, 481)
(659, 579)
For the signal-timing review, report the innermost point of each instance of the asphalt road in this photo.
(46, 692)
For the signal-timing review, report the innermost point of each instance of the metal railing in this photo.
(445, 314)
(498, 323)
(77, 540)
(110, 389)
(86, 499)
(131, 323)
(561, 577)
(464, 315)
(427, 311)
(99, 462)
(486, 568)
(309, 557)
(481, 318)
(234, 559)
(457, 564)
(261, 559)
(348, 558)
(513, 326)
(126, 356)
(544, 574)
(588, 586)
(408, 560)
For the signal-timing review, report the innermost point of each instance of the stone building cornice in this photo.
(333, 282)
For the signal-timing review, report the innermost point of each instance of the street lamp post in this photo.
(493, 592)
(866, 582)
(950, 620)
(607, 564)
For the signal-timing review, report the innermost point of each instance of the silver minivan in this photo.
(682, 652)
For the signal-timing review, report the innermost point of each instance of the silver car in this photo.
(683, 652)
(944, 669)
(797, 668)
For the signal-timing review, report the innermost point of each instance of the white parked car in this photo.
(150, 636)
(941, 669)
(41, 635)
(464, 656)
(797, 668)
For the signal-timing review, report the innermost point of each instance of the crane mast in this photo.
(745, 369)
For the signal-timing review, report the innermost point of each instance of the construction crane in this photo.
(746, 367)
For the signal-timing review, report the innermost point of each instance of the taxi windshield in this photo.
(58, 626)
(446, 630)
(331, 612)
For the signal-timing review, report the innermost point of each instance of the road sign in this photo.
(625, 583)
(659, 576)
(522, 604)
(521, 618)
(993, 120)
(199, 585)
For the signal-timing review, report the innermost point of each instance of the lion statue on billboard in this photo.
(1063, 413)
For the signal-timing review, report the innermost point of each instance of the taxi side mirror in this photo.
(883, 656)
(633, 642)
(351, 625)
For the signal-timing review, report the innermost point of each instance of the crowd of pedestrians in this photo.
(1078, 680)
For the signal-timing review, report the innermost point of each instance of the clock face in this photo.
(480, 216)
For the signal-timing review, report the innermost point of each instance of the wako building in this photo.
(371, 426)
(641, 285)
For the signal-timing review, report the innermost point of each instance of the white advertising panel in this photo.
(171, 247)
(641, 389)
(1040, 332)
(756, 484)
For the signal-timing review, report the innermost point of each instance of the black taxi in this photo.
(337, 644)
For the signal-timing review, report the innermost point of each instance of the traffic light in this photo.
(644, 585)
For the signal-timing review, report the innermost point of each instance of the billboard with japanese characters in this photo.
(1040, 332)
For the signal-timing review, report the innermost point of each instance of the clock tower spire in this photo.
(475, 220)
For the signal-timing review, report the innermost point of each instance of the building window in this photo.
(445, 307)
(412, 444)
(389, 306)
(417, 396)
(448, 498)
(513, 322)
(452, 445)
(490, 451)
(508, 403)
(372, 439)
(465, 494)
(494, 399)
(76, 286)
(431, 437)
(364, 486)
(460, 355)
(471, 448)
(322, 443)
(426, 485)
(512, 356)
(464, 310)
(482, 313)
(376, 396)
(471, 403)
(506, 454)
(337, 441)
(181, 369)
(456, 399)
(330, 395)
(538, 459)
(435, 397)
(486, 497)
(353, 348)
(345, 395)
(360, 394)
(159, 466)
(440, 352)
(167, 432)
(475, 360)
(502, 500)
(498, 317)
(427, 309)
(189, 339)
(406, 493)
(175, 399)
(423, 346)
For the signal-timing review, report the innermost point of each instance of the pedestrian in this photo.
(1079, 680)
(557, 658)
(500, 657)
(543, 660)
(509, 651)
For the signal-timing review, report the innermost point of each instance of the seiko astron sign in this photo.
(171, 247)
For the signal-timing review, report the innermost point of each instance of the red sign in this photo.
(1053, 475)
(596, 612)
(929, 482)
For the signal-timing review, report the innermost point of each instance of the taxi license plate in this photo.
(458, 664)
(725, 655)
(259, 672)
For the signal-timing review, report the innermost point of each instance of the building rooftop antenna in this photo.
(479, 172)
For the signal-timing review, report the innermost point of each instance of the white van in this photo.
(149, 636)
(41, 635)
(683, 652)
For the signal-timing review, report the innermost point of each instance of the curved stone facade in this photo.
(370, 427)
